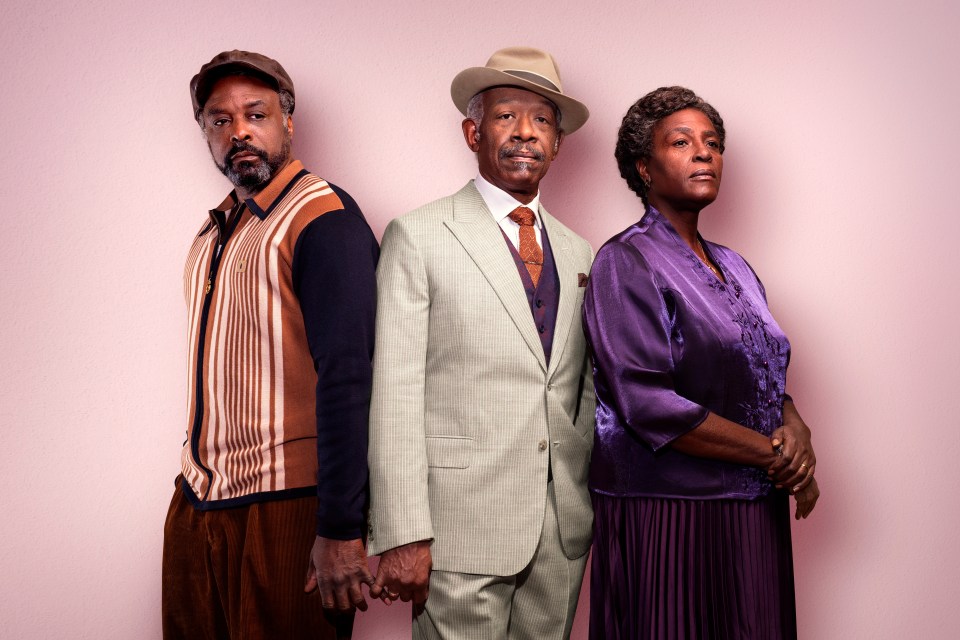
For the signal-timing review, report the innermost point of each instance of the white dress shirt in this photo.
(500, 203)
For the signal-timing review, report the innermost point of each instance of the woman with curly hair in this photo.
(697, 445)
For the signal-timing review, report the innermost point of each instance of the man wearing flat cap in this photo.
(281, 294)
(482, 415)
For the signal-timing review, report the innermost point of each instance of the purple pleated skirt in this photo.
(698, 569)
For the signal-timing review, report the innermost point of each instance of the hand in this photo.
(338, 568)
(404, 573)
(793, 469)
(807, 499)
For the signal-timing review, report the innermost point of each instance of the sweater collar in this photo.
(262, 204)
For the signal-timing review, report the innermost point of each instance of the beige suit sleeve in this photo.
(399, 503)
(587, 409)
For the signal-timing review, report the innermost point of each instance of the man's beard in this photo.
(253, 175)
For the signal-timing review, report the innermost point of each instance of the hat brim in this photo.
(202, 84)
(472, 81)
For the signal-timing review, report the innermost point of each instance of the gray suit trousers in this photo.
(538, 603)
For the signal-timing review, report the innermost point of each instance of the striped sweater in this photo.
(280, 293)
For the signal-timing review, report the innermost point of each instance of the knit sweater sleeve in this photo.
(334, 276)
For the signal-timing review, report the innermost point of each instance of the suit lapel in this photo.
(567, 276)
(475, 229)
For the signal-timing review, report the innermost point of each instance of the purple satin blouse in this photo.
(670, 343)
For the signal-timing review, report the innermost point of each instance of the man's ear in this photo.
(290, 126)
(557, 143)
(471, 134)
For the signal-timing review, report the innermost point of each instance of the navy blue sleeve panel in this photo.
(334, 277)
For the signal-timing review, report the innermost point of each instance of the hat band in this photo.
(534, 78)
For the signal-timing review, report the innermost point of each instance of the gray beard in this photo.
(253, 176)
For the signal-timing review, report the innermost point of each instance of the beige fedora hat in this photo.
(526, 68)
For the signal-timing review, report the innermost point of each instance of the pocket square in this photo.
(581, 279)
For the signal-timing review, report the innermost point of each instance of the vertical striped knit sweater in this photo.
(280, 293)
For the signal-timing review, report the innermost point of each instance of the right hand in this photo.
(337, 568)
(793, 469)
(404, 573)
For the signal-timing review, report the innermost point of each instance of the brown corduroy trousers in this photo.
(238, 573)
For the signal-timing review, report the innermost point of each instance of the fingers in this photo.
(796, 457)
(776, 438)
(410, 590)
(365, 576)
(327, 599)
(404, 574)
(406, 590)
(793, 481)
(777, 444)
(384, 586)
(804, 475)
(346, 596)
(805, 480)
(792, 475)
(805, 508)
(803, 484)
(354, 596)
(311, 581)
(379, 591)
(343, 592)
(807, 500)
(376, 589)
(793, 467)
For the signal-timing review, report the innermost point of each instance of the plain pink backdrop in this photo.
(840, 188)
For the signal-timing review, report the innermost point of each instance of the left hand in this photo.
(795, 468)
(404, 572)
(338, 568)
(806, 499)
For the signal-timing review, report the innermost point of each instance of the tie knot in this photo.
(522, 216)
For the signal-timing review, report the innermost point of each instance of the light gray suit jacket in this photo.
(466, 415)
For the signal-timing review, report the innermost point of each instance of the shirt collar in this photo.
(263, 203)
(502, 203)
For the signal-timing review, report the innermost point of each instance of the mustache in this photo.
(239, 147)
(517, 149)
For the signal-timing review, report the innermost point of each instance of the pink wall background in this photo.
(840, 187)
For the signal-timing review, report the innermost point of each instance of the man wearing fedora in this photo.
(482, 414)
(280, 292)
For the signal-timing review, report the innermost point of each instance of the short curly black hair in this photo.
(635, 139)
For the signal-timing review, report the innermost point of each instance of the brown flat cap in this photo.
(526, 68)
(228, 62)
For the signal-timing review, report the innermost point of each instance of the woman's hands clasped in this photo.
(796, 462)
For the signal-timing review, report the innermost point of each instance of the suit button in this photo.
(549, 387)
(542, 446)
(539, 304)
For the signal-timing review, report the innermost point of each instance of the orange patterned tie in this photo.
(530, 252)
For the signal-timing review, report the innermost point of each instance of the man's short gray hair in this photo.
(286, 103)
(475, 109)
